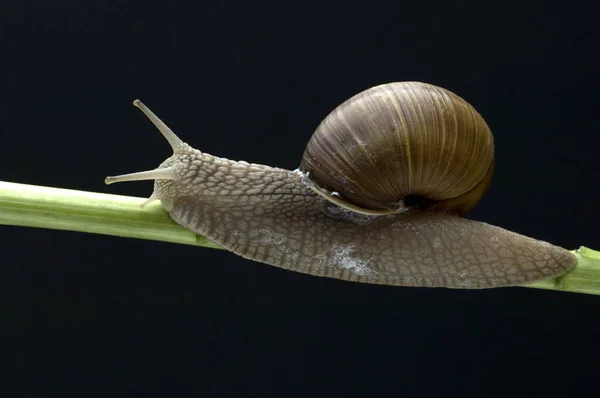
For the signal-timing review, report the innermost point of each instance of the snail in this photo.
(379, 197)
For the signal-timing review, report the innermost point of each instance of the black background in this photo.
(89, 314)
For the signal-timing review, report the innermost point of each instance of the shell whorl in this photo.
(397, 141)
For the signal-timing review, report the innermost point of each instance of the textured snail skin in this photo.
(270, 215)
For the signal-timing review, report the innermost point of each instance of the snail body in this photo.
(375, 200)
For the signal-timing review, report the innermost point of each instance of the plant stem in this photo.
(584, 278)
(64, 209)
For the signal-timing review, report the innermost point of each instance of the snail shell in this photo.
(375, 199)
(401, 143)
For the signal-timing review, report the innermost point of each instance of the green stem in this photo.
(65, 209)
(584, 278)
(55, 208)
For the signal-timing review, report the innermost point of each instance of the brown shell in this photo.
(398, 141)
